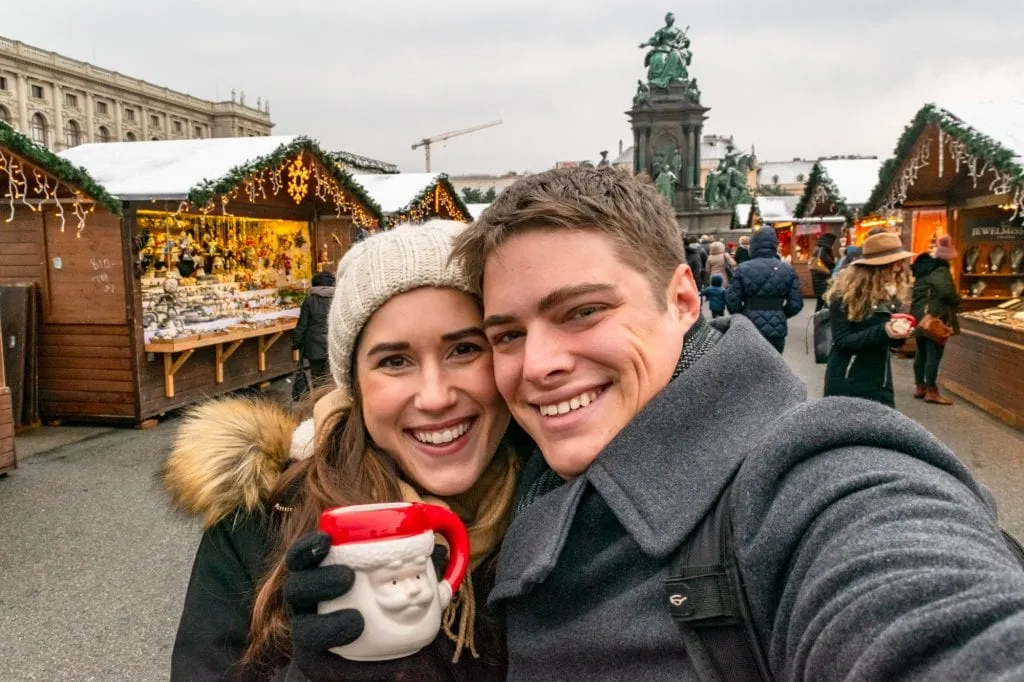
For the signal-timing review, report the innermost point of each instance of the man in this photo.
(310, 334)
(766, 290)
(866, 548)
(695, 258)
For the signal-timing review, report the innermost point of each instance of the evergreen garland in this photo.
(401, 216)
(820, 176)
(59, 168)
(977, 143)
(206, 190)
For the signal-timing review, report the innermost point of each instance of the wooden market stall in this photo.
(414, 197)
(8, 460)
(46, 205)
(960, 171)
(836, 188)
(188, 286)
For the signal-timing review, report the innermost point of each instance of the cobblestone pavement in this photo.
(94, 564)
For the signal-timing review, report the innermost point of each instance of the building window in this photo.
(3, 82)
(5, 115)
(72, 133)
(103, 134)
(129, 114)
(198, 132)
(800, 178)
(775, 179)
(37, 129)
(154, 121)
(101, 107)
(178, 127)
(129, 137)
(71, 100)
(37, 92)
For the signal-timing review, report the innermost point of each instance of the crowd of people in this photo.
(548, 375)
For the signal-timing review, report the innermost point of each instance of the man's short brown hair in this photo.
(605, 200)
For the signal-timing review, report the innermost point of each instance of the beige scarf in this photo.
(485, 509)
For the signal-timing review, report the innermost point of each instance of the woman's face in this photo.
(427, 385)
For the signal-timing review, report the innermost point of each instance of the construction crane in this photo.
(427, 141)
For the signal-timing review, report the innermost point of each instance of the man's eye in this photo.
(585, 311)
(505, 338)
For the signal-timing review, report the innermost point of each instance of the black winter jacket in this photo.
(310, 334)
(858, 365)
(742, 254)
(934, 291)
(695, 258)
(819, 280)
(762, 282)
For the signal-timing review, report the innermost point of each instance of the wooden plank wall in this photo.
(85, 366)
(7, 460)
(987, 370)
(22, 252)
(195, 380)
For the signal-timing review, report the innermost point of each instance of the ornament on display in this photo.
(995, 258)
(977, 288)
(1017, 288)
(1017, 260)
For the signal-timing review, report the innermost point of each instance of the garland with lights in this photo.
(30, 169)
(430, 202)
(821, 189)
(284, 169)
(979, 153)
(363, 163)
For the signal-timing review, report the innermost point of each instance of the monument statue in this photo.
(666, 183)
(726, 186)
(643, 94)
(668, 60)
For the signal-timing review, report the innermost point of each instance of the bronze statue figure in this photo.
(668, 60)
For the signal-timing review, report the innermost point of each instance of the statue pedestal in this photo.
(667, 129)
(715, 222)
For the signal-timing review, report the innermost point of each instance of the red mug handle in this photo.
(450, 526)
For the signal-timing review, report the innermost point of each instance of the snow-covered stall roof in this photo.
(167, 169)
(476, 209)
(403, 192)
(776, 209)
(787, 172)
(1003, 121)
(853, 178)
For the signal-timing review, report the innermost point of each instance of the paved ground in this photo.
(94, 565)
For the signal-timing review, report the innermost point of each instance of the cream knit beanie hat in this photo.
(389, 263)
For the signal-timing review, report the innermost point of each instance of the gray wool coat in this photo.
(868, 550)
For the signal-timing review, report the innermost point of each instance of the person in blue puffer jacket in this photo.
(765, 289)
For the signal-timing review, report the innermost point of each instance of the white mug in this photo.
(396, 589)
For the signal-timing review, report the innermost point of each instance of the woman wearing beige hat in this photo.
(862, 300)
(415, 416)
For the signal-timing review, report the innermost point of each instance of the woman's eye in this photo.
(463, 349)
(393, 362)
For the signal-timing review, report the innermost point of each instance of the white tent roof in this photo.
(776, 208)
(853, 178)
(167, 169)
(395, 192)
(1003, 121)
(743, 213)
(476, 209)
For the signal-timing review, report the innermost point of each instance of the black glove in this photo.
(313, 634)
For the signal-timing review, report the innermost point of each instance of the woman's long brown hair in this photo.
(345, 469)
(862, 287)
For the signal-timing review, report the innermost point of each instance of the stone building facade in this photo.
(61, 102)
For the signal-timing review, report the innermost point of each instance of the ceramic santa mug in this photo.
(396, 589)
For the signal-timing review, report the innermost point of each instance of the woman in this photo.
(719, 263)
(821, 274)
(743, 250)
(935, 293)
(861, 301)
(416, 416)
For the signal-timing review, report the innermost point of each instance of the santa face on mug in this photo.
(404, 590)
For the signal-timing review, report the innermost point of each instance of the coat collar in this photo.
(666, 468)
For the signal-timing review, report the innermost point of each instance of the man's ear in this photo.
(683, 297)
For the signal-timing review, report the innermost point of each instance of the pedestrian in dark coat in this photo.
(743, 250)
(695, 258)
(861, 301)
(820, 279)
(310, 334)
(716, 296)
(765, 289)
(935, 293)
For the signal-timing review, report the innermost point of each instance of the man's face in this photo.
(580, 341)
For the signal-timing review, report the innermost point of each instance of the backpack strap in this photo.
(707, 601)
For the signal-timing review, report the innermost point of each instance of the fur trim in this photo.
(227, 456)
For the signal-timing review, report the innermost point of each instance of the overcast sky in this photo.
(793, 77)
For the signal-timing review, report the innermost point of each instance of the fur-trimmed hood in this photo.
(228, 454)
